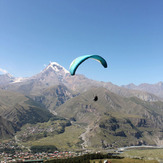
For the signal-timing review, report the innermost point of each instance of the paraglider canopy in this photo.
(76, 62)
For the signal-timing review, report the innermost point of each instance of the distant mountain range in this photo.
(156, 89)
(126, 115)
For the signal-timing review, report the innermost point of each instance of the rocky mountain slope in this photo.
(53, 97)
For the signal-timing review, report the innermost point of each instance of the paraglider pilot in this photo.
(95, 98)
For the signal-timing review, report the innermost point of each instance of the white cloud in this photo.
(3, 71)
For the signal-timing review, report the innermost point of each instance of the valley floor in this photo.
(138, 155)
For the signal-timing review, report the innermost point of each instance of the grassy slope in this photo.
(7, 129)
(20, 109)
(68, 140)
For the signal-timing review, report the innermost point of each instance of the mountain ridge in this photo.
(55, 74)
(156, 89)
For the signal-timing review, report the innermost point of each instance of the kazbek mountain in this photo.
(52, 75)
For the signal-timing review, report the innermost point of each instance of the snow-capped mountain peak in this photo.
(56, 67)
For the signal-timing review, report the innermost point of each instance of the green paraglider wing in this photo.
(76, 62)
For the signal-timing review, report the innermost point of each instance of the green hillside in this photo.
(114, 121)
(20, 109)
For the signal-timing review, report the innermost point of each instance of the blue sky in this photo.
(127, 33)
